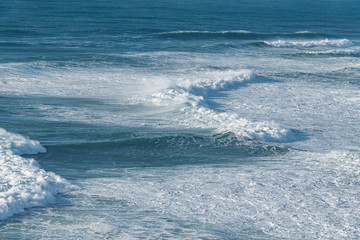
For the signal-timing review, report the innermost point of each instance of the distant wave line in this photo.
(316, 43)
(238, 34)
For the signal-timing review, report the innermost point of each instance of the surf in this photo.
(23, 183)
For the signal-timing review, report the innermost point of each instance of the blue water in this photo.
(179, 120)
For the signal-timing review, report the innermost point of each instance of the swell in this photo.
(173, 149)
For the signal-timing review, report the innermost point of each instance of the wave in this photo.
(338, 52)
(206, 32)
(23, 183)
(309, 44)
(185, 91)
(194, 93)
(174, 146)
(237, 34)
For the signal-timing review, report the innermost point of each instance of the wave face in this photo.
(23, 183)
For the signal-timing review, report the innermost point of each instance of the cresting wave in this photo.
(337, 52)
(185, 91)
(175, 146)
(193, 94)
(314, 43)
(23, 183)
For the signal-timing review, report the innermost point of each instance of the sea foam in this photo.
(205, 32)
(194, 92)
(337, 52)
(188, 92)
(314, 43)
(23, 183)
(312, 196)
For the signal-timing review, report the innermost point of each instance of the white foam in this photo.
(193, 92)
(188, 86)
(243, 128)
(44, 79)
(184, 91)
(327, 113)
(314, 43)
(205, 32)
(341, 52)
(193, 88)
(23, 183)
(236, 31)
(300, 196)
(303, 32)
(19, 144)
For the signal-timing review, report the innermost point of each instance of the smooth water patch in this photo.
(151, 149)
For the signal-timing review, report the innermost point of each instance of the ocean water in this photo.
(179, 119)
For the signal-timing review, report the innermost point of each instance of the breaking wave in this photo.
(314, 43)
(193, 95)
(338, 52)
(23, 183)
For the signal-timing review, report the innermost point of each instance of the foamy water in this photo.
(23, 183)
(168, 120)
(307, 44)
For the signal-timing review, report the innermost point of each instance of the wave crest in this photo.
(337, 52)
(309, 44)
(193, 95)
(23, 183)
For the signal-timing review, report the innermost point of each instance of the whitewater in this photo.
(23, 183)
(169, 120)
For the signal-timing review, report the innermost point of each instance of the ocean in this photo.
(165, 119)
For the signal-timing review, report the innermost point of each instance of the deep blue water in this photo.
(183, 120)
(78, 31)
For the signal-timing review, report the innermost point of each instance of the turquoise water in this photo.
(179, 120)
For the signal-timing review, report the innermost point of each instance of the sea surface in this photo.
(164, 119)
